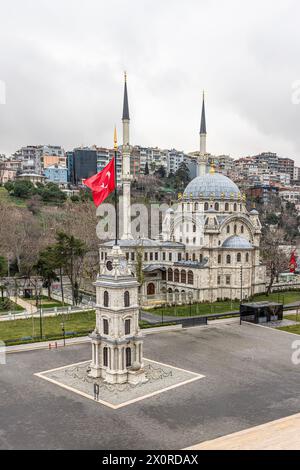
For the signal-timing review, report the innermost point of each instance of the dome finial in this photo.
(212, 168)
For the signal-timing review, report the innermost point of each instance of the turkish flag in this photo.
(103, 183)
(293, 262)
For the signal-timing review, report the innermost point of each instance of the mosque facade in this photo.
(208, 248)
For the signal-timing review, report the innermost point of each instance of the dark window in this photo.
(170, 274)
(228, 280)
(127, 327)
(105, 299)
(228, 259)
(242, 229)
(176, 275)
(170, 256)
(219, 280)
(194, 228)
(179, 256)
(234, 229)
(164, 256)
(217, 206)
(128, 357)
(234, 207)
(126, 299)
(190, 277)
(183, 276)
(164, 275)
(186, 257)
(226, 206)
(105, 357)
(156, 256)
(105, 326)
(206, 206)
(228, 228)
(247, 257)
(194, 256)
(132, 256)
(219, 259)
(151, 256)
(238, 257)
(146, 256)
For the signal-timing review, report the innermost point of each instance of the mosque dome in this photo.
(213, 185)
(237, 242)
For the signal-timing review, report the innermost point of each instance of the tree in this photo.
(161, 171)
(182, 175)
(71, 252)
(275, 258)
(146, 169)
(45, 267)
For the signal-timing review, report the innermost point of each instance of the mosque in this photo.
(209, 244)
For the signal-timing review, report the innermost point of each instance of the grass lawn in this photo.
(292, 317)
(291, 329)
(12, 306)
(79, 323)
(223, 306)
(13, 201)
(46, 303)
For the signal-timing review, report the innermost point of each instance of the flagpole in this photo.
(116, 182)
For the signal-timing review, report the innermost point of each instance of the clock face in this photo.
(109, 265)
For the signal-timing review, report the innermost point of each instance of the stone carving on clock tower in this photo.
(117, 342)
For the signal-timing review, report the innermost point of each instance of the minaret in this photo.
(126, 176)
(202, 160)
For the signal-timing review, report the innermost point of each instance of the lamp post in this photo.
(63, 332)
(40, 308)
(190, 295)
(241, 276)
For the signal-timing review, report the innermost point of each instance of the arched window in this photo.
(183, 296)
(105, 326)
(242, 228)
(128, 357)
(235, 207)
(126, 299)
(105, 356)
(226, 206)
(190, 277)
(127, 326)
(247, 257)
(164, 275)
(186, 257)
(170, 275)
(196, 206)
(206, 206)
(183, 276)
(150, 289)
(228, 259)
(201, 258)
(194, 256)
(228, 229)
(235, 228)
(217, 206)
(219, 259)
(176, 275)
(105, 299)
(238, 257)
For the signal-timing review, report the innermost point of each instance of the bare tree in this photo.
(274, 257)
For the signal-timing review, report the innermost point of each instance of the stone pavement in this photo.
(281, 434)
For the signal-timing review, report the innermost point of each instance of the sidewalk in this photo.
(281, 434)
(26, 305)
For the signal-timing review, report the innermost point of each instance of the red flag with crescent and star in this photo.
(293, 262)
(103, 183)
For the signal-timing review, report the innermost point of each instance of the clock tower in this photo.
(117, 342)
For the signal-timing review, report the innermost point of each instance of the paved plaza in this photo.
(249, 379)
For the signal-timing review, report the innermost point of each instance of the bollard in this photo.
(55, 344)
(49, 345)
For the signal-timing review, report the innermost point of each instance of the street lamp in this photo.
(40, 308)
(190, 295)
(63, 332)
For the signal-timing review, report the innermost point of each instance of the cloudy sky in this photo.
(62, 63)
